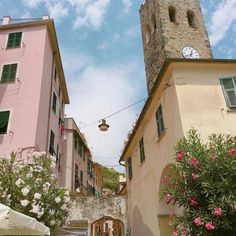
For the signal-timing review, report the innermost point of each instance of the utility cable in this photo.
(115, 113)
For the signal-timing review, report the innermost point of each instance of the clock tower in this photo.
(172, 29)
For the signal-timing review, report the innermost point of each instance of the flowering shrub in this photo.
(30, 187)
(204, 186)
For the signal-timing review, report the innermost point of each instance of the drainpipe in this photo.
(50, 101)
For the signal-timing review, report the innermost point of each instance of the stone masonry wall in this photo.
(166, 39)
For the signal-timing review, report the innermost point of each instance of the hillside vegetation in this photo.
(110, 177)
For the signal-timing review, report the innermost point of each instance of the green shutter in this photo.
(160, 121)
(4, 118)
(51, 147)
(14, 40)
(54, 102)
(229, 88)
(9, 73)
(141, 149)
(130, 171)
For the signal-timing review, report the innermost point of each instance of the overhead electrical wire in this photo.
(115, 113)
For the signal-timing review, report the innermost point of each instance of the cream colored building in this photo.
(187, 89)
(191, 95)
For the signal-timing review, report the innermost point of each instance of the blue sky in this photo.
(101, 48)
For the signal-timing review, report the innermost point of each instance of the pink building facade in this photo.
(33, 90)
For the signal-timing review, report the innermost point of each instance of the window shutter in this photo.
(9, 73)
(130, 171)
(51, 147)
(160, 121)
(229, 88)
(14, 40)
(141, 148)
(54, 102)
(4, 118)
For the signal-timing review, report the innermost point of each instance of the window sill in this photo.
(8, 82)
(12, 48)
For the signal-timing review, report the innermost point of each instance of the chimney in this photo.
(45, 17)
(6, 20)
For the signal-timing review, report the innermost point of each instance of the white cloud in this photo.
(93, 15)
(89, 13)
(103, 45)
(222, 20)
(96, 92)
(127, 4)
(57, 10)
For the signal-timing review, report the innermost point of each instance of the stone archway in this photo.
(107, 226)
(164, 209)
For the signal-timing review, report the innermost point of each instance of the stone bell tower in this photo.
(172, 29)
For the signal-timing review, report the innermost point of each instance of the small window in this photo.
(55, 73)
(229, 88)
(54, 102)
(154, 24)
(160, 121)
(9, 73)
(141, 149)
(59, 93)
(51, 145)
(172, 14)
(130, 171)
(4, 120)
(77, 184)
(148, 33)
(81, 177)
(191, 19)
(14, 40)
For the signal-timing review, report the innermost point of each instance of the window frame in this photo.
(16, 73)
(225, 91)
(54, 102)
(52, 143)
(141, 150)
(12, 47)
(130, 168)
(9, 117)
(160, 121)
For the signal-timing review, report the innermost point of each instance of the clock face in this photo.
(189, 52)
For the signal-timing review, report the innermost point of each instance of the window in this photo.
(4, 119)
(141, 149)
(51, 145)
(160, 121)
(81, 177)
(229, 88)
(130, 171)
(154, 24)
(14, 40)
(59, 93)
(77, 184)
(55, 74)
(9, 73)
(54, 102)
(172, 14)
(191, 19)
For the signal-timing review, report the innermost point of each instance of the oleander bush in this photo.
(30, 186)
(204, 186)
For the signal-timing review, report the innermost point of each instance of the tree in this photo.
(30, 186)
(204, 186)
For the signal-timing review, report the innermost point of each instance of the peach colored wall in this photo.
(193, 97)
(201, 99)
(143, 199)
(22, 97)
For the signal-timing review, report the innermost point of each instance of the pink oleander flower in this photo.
(218, 211)
(169, 198)
(198, 221)
(213, 158)
(234, 207)
(232, 152)
(170, 222)
(164, 179)
(193, 202)
(180, 156)
(194, 162)
(209, 226)
(174, 234)
(195, 176)
(24, 202)
(37, 195)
